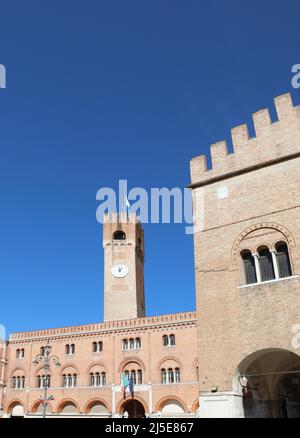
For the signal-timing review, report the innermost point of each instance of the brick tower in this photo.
(247, 262)
(123, 242)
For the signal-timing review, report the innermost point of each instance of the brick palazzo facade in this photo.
(160, 352)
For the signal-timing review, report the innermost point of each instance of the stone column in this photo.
(257, 269)
(275, 263)
(150, 399)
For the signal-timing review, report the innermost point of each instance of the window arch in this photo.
(249, 267)
(170, 375)
(70, 349)
(119, 235)
(132, 344)
(41, 381)
(69, 380)
(18, 381)
(98, 379)
(266, 266)
(283, 260)
(97, 347)
(134, 370)
(169, 340)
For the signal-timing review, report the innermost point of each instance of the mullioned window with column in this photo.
(266, 263)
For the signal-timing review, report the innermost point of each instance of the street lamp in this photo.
(47, 359)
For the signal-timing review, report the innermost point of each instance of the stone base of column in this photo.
(221, 405)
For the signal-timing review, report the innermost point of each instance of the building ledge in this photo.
(277, 280)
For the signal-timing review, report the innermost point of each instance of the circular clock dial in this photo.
(119, 270)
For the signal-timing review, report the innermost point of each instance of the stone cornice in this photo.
(109, 327)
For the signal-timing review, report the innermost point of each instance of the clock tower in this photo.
(123, 243)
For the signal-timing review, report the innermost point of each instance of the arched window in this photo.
(133, 376)
(41, 380)
(177, 375)
(125, 344)
(103, 379)
(169, 341)
(283, 260)
(42, 351)
(266, 264)
(172, 340)
(138, 343)
(170, 375)
(72, 349)
(163, 376)
(139, 377)
(22, 352)
(17, 353)
(92, 379)
(131, 344)
(97, 347)
(67, 349)
(249, 267)
(69, 380)
(119, 235)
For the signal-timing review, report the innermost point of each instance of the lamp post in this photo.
(47, 360)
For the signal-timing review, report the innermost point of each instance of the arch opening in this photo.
(270, 383)
(133, 409)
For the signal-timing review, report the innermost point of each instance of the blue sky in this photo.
(99, 91)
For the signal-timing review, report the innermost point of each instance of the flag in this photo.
(125, 383)
(131, 387)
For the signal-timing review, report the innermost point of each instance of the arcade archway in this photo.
(270, 383)
(133, 408)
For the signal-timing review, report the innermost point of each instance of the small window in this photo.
(177, 375)
(138, 343)
(170, 375)
(249, 267)
(266, 264)
(70, 349)
(283, 260)
(139, 377)
(119, 235)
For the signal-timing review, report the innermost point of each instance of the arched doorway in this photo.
(16, 410)
(270, 382)
(134, 408)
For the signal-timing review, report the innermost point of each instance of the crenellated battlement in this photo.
(120, 218)
(273, 141)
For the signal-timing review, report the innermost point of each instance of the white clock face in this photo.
(119, 270)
